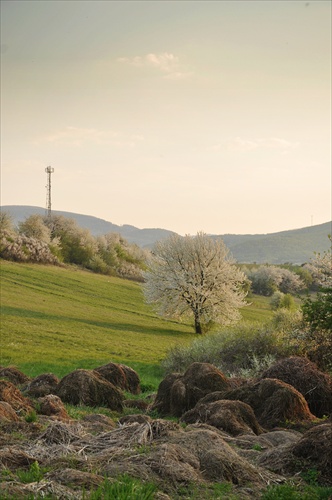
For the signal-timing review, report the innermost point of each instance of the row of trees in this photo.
(184, 276)
(59, 240)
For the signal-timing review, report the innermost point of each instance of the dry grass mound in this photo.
(217, 460)
(316, 447)
(76, 479)
(14, 375)
(52, 405)
(11, 395)
(233, 417)
(313, 384)
(121, 376)
(312, 452)
(178, 394)
(40, 386)
(137, 418)
(89, 388)
(40, 489)
(12, 458)
(173, 457)
(162, 402)
(7, 413)
(97, 422)
(274, 402)
(61, 433)
(133, 380)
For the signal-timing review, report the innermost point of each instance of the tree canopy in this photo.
(195, 275)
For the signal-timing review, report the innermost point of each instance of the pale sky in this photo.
(183, 115)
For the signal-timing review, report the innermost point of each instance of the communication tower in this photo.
(49, 171)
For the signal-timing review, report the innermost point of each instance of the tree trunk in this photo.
(198, 326)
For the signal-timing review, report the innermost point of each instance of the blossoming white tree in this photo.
(195, 275)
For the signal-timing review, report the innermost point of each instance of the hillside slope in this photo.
(295, 246)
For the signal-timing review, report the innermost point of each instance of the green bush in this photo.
(245, 349)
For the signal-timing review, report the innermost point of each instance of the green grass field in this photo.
(57, 319)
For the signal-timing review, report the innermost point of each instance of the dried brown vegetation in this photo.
(312, 383)
(89, 388)
(220, 438)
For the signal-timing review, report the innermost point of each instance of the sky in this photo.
(210, 116)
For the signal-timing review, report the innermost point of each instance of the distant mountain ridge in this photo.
(294, 246)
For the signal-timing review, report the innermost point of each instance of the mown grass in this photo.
(56, 319)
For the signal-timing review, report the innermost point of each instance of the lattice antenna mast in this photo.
(49, 171)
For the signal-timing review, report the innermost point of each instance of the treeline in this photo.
(59, 240)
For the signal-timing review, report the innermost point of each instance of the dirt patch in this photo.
(313, 384)
(89, 388)
(274, 402)
(233, 417)
(13, 396)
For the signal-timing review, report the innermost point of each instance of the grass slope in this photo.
(57, 319)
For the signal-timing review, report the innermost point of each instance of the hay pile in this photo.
(53, 405)
(233, 417)
(316, 448)
(313, 384)
(222, 442)
(41, 489)
(11, 395)
(7, 413)
(40, 386)
(14, 375)
(180, 393)
(274, 402)
(12, 457)
(89, 388)
(311, 452)
(121, 376)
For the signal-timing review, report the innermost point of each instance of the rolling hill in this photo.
(294, 246)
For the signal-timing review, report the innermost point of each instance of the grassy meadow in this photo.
(56, 319)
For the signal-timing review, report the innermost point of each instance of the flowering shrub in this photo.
(21, 248)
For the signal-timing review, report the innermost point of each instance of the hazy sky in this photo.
(184, 115)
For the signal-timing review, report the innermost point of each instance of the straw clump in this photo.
(89, 388)
(178, 394)
(14, 375)
(316, 448)
(274, 402)
(233, 417)
(7, 413)
(313, 384)
(52, 405)
(40, 386)
(13, 396)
